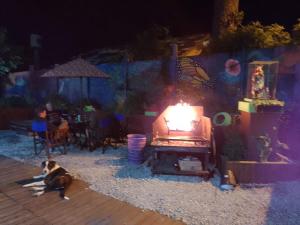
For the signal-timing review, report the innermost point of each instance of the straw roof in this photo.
(76, 68)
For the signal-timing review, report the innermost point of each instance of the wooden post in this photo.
(81, 93)
(126, 64)
(57, 85)
(88, 88)
(81, 89)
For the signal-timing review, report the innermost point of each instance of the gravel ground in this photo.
(186, 198)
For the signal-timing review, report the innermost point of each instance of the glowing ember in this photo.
(181, 117)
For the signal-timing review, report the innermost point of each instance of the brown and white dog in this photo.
(54, 178)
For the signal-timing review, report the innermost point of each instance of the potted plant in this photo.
(271, 165)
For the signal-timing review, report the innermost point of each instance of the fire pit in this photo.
(181, 133)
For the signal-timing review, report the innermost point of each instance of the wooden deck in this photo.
(17, 206)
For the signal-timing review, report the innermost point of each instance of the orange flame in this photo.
(181, 117)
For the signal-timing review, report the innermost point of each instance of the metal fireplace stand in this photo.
(159, 167)
(174, 144)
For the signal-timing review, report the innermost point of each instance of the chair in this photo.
(45, 139)
(39, 129)
(80, 130)
(111, 131)
(123, 127)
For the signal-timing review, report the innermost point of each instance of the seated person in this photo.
(62, 130)
(56, 126)
(41, 117)
(53, 116)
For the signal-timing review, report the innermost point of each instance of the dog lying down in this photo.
(53, 177)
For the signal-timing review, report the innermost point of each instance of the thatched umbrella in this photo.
(77, 68)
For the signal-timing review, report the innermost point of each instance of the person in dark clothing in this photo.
(53, 117)
(40, 113)
(40, 119)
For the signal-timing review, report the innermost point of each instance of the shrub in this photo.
(59, 102)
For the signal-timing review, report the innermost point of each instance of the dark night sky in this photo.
(69, 27)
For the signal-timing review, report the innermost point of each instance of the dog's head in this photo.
(49, 166)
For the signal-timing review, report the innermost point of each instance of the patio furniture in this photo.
(77, 68)
(89, 131)
(78, 133)
(123, 127)
(39, 129)
(82, 130)
(44, 139)
(111, 131)
(105, 133)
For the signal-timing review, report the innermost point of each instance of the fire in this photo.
(181, 117)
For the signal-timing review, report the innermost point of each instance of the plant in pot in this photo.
(264, 147)
(269, 149)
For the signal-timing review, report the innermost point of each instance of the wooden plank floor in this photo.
(18, 207)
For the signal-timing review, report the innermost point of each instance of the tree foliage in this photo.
(296, 33)
(251, 36)
(153, 43)
(226, 16)
(9, 57)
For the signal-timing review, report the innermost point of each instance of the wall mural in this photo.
(18, 85)
(232, 70)
(220, 78)
(191, 71)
